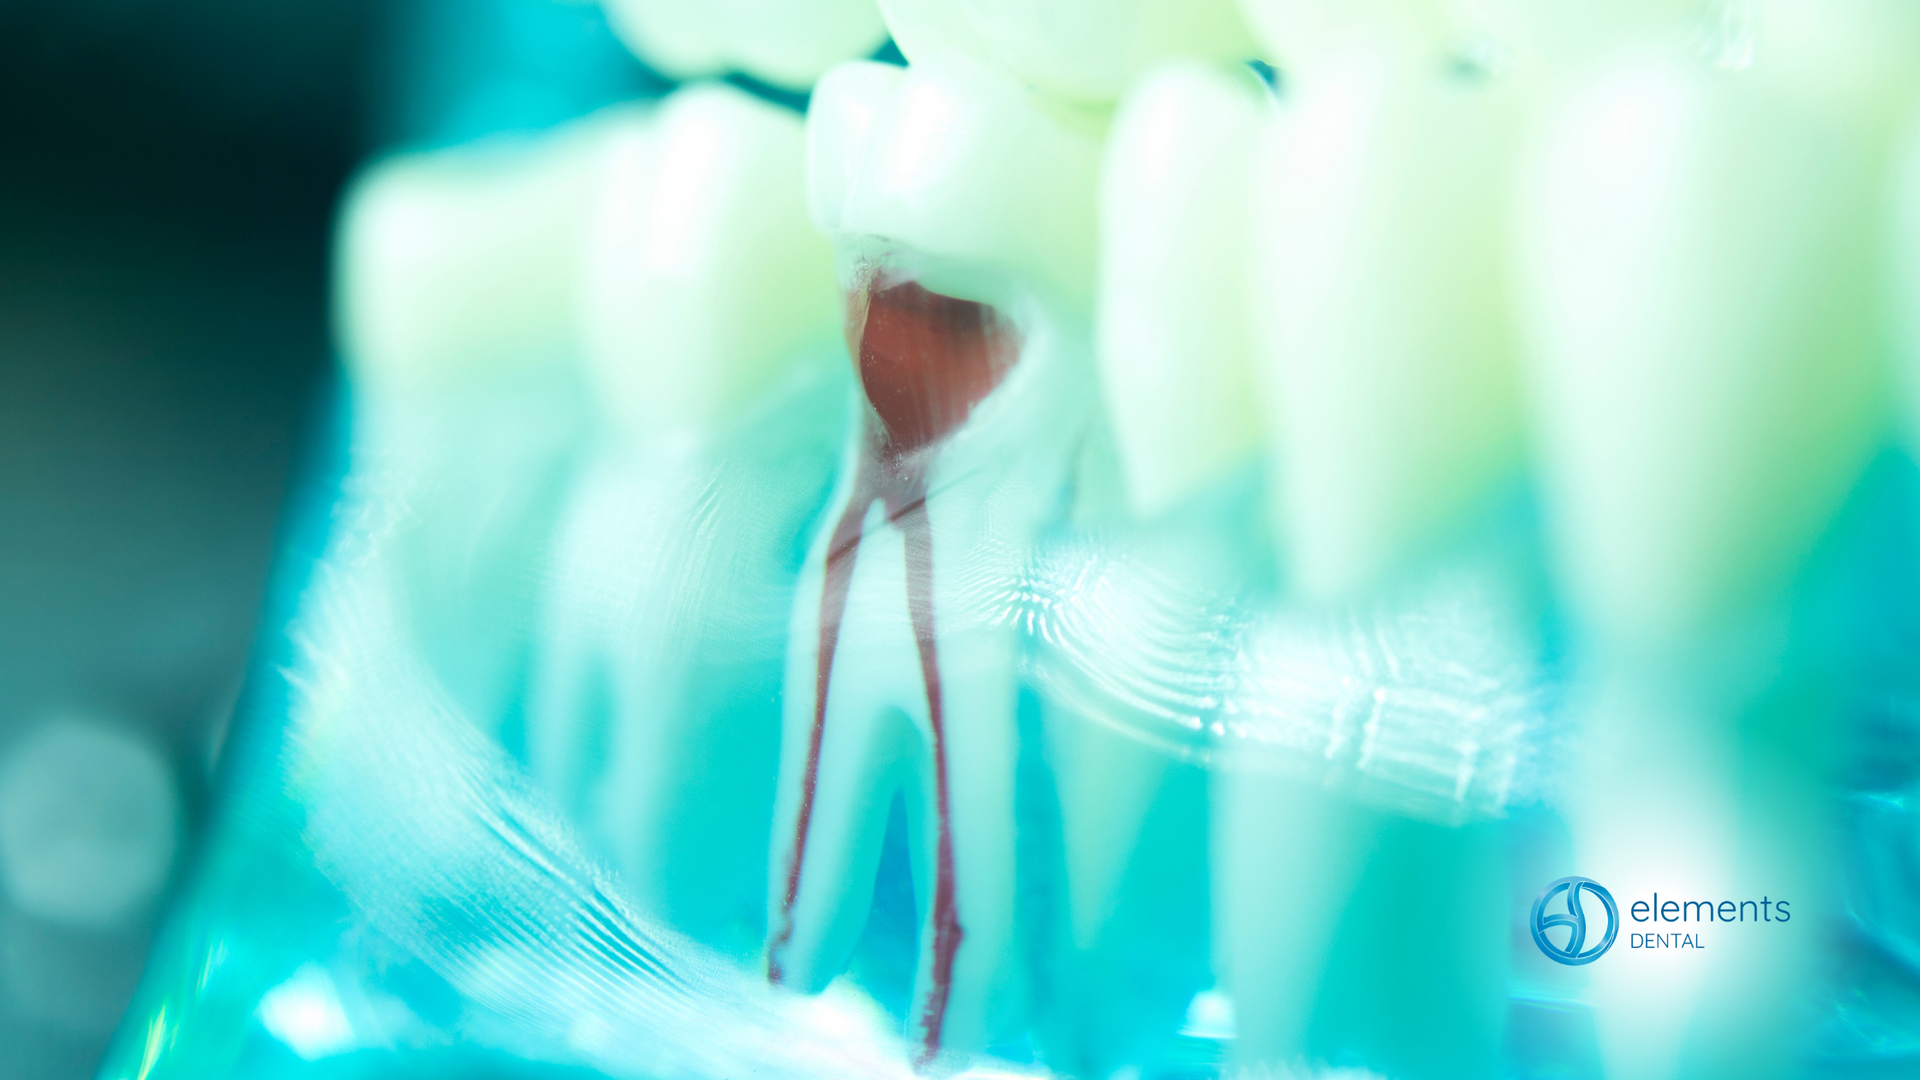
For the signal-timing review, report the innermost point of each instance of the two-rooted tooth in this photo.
(964, 216)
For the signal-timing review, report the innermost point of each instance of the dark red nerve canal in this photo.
(925, 360)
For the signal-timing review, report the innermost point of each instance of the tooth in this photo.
(455, 265)
(1172, 331)
(900, 674)
(1073, 49)
(958, 161)
(1570, 32)
(1382, 328)
(456, 292)
(1705, 364)
(699, 218)
(1363, 750)
(1699, 276)
(786, 44)
(708, 300)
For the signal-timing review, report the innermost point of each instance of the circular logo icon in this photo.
(1574, 950)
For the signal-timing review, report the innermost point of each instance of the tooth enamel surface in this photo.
(1566, 31)
(784, 42)
(1296, 34)
(1698, 281)
(900, 676)
(711, 322)
(1172, 325)
(957, 161)
(1077, 50)
(461, 264)
(703, 274)
(1851, 59)
(1379, 293)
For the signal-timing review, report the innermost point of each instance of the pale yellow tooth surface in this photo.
(1297, 34)
(465, 263)
(1699, 275)
(849, 103)
(1172, 326)
(1569, 31)
(1384, 336)
(784, 42)
(1084, 51)
(1853, 60)
(963, 163)
(704, 277)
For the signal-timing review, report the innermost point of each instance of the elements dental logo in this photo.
(1574, 951)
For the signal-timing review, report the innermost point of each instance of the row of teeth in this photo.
(1470, 243)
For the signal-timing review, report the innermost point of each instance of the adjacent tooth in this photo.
(1699, 281)
(1362, 752)
(1379, 287)
(1078, 50)
(457, 284)
(1699, 278)
(1172, 321)
(1568, 32)
(458, 265)
(700, 218)
(957, 161)
(711, 318)
(787, 44)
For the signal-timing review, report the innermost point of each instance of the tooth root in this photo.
(697, 220)
(1698, 285)
(1382, 327)
(960, 163)
(1172, 325)
(1319, 949)
(782, 42)
(911, 701)
(457, 265)
(1107, 786)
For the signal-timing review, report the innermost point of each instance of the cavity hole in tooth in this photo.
(925, 359)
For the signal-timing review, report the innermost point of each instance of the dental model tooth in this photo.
(1361, 910)
(957, 161)
(456, 265)
(1561, 33)
(1698, 280)
(951, 196)
(653, 709)
(787, 44)
(1699, 275)
(1075, 50)
(457, 281)
(701, 217)
(1379, 292)
(1173, 325)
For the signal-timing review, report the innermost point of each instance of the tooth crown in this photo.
(704, 282)
(1172, 326)
(788, 43)
(1379, 278)
(453, 266)
(1557, 32)
(1698, 282)
(1298, 34)
(1076, 50)
(956, 161)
